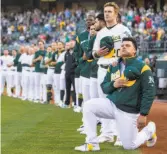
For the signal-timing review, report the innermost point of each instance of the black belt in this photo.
(51, 68)
(104, 66)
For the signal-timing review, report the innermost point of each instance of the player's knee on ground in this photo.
(129, 146)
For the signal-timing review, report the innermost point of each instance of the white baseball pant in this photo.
(56, 88)
(108, 125)
(126, 123)
(85, 89)
(31, 87)
(18, 83)
(4, 74)
(93, 88)
(43, 91)
(77, 89)
(50, 74)
(37, 85)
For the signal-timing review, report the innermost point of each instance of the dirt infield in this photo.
(158, 114)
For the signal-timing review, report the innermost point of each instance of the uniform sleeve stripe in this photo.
(145, 68)
(108, 70)
(77, 39)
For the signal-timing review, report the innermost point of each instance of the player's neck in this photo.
(111, 23)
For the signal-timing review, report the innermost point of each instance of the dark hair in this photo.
(41, 41)
(100, 17)
(131, 39)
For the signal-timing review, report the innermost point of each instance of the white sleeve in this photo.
(61, 57)
(126, 33)
(20, 59)
(12, 60)
(96, 45)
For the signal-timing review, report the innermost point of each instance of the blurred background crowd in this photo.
(26, 26)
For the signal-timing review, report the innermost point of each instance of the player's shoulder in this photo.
(102, 30)
(122, 27)
(124, 30)
(83, 33)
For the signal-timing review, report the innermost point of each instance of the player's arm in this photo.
(48, 61)
(147, 90)
(39, 58)
(77, 49)
(11, 63)
(107, 85)
(97, 51)
(89, 54)
(53, 60)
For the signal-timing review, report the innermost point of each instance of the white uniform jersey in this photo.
(6, 60)
(61, 57)
(118, 32)
(23, 58)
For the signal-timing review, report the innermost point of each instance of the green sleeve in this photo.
(107, 85)
(16, 60)
(77, 49)
(148, 92)
(90, 47)
(53, 57)
(81, 60)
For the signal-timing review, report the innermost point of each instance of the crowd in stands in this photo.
(28, 26)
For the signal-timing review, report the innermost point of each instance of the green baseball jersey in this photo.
(85, 70)
(138, 94)
(93, 66)
(47, 56)
(37, 64)
(60, 62)
(79, 50)
(17, 63)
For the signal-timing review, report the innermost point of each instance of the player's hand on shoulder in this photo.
(119, 83)
(114, 63)
(84, 56)
(102, 51)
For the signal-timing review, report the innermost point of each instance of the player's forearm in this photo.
(48, 61)
(95, 55)
(37, 59)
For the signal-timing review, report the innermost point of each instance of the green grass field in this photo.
(29, 128)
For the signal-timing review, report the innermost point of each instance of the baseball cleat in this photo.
(102, 139)
(88, 147)
(78, 109)
(81, 128)
(152, 128)
(118, 142)
(83, 132)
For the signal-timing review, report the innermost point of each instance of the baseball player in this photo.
(46, 57)
(6, 60)
(11, 73)
(69, 74)
(130, 91)
(31, 87)
(25, 62)
(18, 79)
(99, 24)
(81, 40)
(50, 71)
(59, 60)
(105, 58)
(38, 71)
